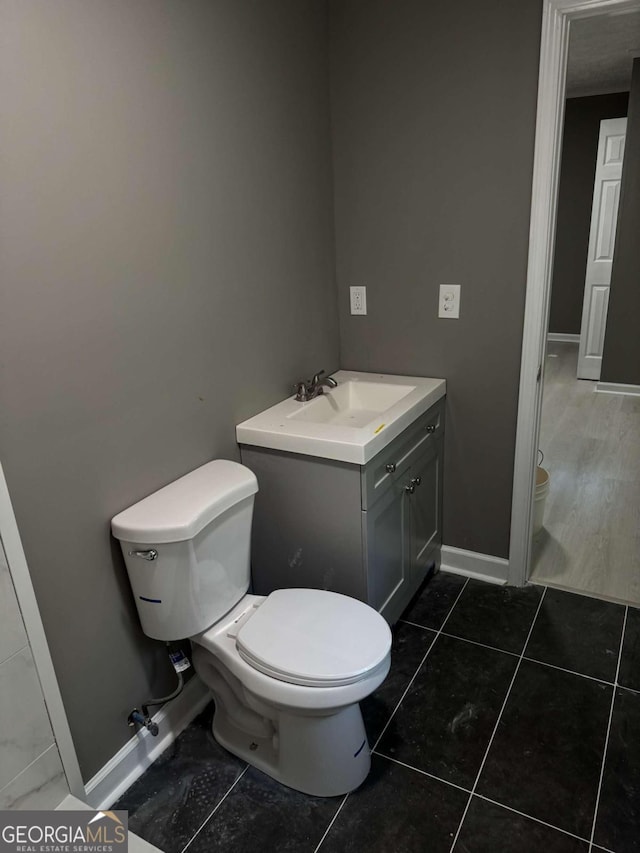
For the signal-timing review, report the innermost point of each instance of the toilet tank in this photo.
(187, 549)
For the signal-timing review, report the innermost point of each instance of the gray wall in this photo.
(577, 172)
(433, 112)
(167, 271)
(621, 357)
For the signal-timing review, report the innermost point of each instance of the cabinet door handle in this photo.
(416, 481)
(410, 489)
(390, 468)
(431, 427)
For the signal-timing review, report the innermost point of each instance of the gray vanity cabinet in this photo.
(369, 531)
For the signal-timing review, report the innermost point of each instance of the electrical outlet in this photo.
(449, 303)
(358, 296)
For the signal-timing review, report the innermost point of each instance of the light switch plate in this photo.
(449, 302)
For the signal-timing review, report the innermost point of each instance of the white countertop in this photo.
(351, 423)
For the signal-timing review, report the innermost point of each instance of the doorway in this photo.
(589, 440)
(558, 15)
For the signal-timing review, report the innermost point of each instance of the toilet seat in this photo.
(314, 638)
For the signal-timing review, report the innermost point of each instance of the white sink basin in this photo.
(350, 423)
(352, 403)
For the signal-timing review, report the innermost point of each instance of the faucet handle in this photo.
(316, 377)
(302, 392)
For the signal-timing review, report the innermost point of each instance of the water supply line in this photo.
(142, 718)
(136, 718)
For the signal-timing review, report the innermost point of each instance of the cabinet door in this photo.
(424, 508)
(386, 538)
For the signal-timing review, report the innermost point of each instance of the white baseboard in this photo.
(563, 337)
(472, 564)
(618, 388)
(130, 762)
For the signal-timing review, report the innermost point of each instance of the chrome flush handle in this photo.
(149, 555)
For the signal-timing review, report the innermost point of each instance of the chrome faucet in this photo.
(313, 387)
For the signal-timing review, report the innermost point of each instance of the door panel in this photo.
(594, 344)
(386, 545)
(425, 507)
(606, 222)
(614, 147)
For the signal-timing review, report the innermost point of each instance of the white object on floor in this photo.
(541, 491)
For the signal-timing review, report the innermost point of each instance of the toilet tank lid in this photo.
(180, 510)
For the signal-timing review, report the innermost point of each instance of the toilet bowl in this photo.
(286, 671)
(294, 713)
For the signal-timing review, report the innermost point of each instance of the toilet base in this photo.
(325, 756)
(311, 739)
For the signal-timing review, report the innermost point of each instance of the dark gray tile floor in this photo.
(510, 721)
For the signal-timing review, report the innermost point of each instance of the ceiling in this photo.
(601, 53)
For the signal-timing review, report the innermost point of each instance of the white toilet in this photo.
(288, 670)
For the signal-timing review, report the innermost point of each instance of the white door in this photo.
(604, 217)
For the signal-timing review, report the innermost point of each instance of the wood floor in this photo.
(590, 541)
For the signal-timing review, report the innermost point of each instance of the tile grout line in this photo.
(517, 655)
(15, 653)
(482, 645)
(202, 825)
(422, 772)
(531, 817)
(569, 671)
(419, 667)
(333, 820)
(628, 689)
(487, 799)
(495, 728)
(416, 625)
(606, 740)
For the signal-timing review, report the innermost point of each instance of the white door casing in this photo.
(602, 235)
